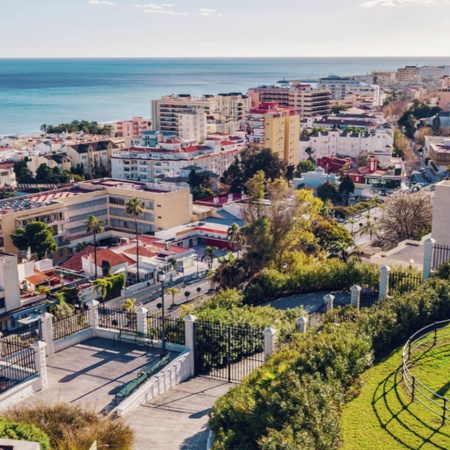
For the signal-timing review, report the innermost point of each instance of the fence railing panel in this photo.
(25, 335)
(66, 326)
(174, 328)
(402, 282)
(117, 318)
(368, 298)
(17, 367)
(441, 254)
(225, 352)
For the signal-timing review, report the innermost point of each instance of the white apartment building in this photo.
(188, 116)
(339, 86)
(169, 158)
(369, 93)
(339, 143)
(306, 100)
(7, 174)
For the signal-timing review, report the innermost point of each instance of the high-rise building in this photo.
(407, 74)
(277, 128)
(188, 117)
(338, 86)
(306, 100)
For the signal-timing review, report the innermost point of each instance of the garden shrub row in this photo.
(295, 400)
(331, 274)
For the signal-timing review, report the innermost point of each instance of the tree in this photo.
(402, 147)
(80, 246)
(346, 187)
(250, 162)
(305, 166)
(173, 291)
(370, 228)
(405, 216)
(336, 109)
(37, 236)
(129, 304)
(135, 207)
(339, 249)
(95, 226)
(187, 294)
(329, 232)
(235, 237)
(23, 174)
(61, 308)
(421, 133)
(230, 271)
(328, 191)
(201, 185)
(173, 261)
(276, 227)
(209, 255)
(102, 286)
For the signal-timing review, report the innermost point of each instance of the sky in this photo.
(205, 28)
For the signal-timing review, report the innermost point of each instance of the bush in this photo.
(294, 400)
(23, 432)
(72, 428)
(320, 275)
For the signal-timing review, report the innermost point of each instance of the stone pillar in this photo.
(269, 341)
(427, 258)
(46, 320)
(189, 338)
(302, 323)
(141, 318)
(40, 362)
(355, 296)
(93, 314)
(329, 302)
(383, 291)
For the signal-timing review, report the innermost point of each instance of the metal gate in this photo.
(227, 353)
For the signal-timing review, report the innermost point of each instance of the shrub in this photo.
(23, 432)
(72, 428)
(294, 400)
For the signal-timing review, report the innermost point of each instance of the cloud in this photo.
(149, 5)
(162, 8)
(393, 3)
(210, 12)
(102, 2)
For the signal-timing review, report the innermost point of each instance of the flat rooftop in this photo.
(90, 373)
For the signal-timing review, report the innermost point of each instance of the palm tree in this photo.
(173, 261)
(135, 207)
(95, 226)
(209, 255)
(173, 291)
(102, 286)
(129, 304)
(235, 236)
(338, 249)
(61, 308)
(352, 222)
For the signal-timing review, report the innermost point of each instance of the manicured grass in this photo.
(382, 416)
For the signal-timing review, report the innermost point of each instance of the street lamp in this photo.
(197, 258)
(162, 278)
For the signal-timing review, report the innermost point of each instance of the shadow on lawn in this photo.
(387, 396)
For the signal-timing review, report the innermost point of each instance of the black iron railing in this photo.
(174, 328)
(68, 325)
(18, 366)
(25, 335)
(441, 254)
(402, 282)
(117, 318)
(368, 298)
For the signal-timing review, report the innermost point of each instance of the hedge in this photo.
(331, 274)
(295, 399)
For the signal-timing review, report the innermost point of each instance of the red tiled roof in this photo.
(143, 251)
(105, 254)
(37, 278)
(75, 263)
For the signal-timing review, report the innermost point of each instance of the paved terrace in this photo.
(90, 373)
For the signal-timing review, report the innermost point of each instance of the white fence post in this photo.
(93, 314)
(46, 320)
(189, 338)
(329, 302)
(40, 362)
(141, 318)
(428, 245)
(355, 296)
(302, 324)
(269, 341)
(384, 282)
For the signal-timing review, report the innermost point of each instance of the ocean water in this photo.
(52, 91)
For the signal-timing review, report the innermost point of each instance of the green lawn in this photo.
(383, 417)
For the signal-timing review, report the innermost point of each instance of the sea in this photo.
(53, 91)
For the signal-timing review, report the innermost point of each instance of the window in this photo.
(101, 212)
(89, 204)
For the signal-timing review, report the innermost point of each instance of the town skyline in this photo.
(129, 28)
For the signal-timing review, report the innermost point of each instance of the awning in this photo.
(29, 320)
